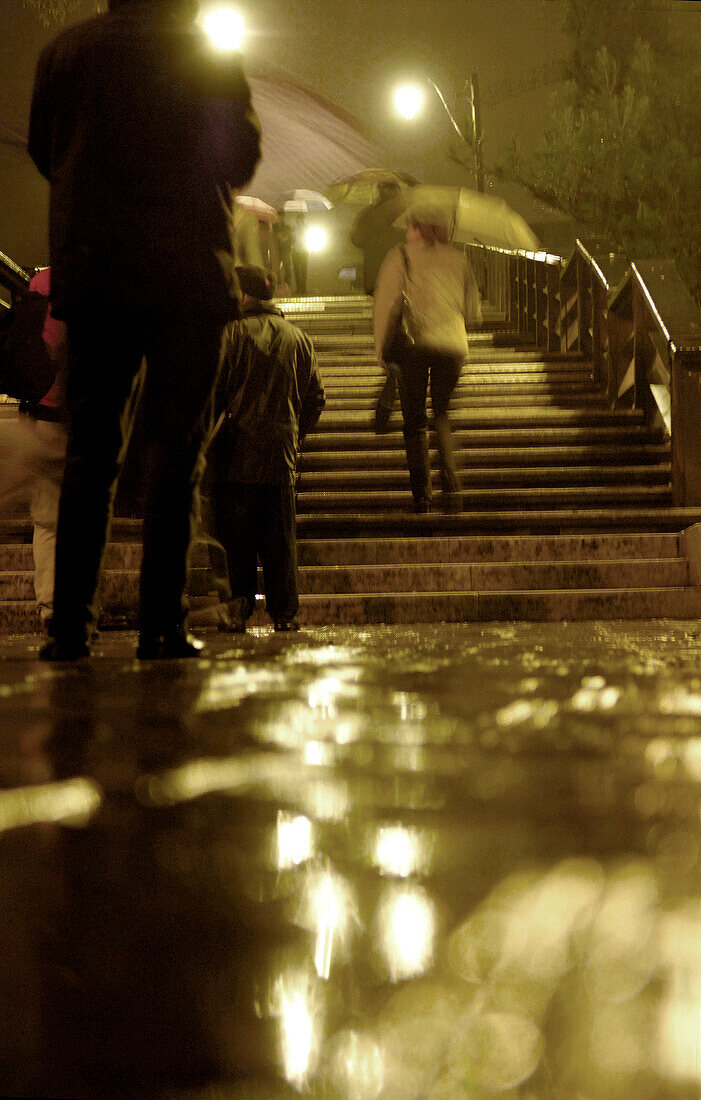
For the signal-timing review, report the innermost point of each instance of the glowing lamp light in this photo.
(408, 100)
(316, 239)
(224, 26)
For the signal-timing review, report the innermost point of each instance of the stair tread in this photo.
(630, 455)
(540, 593)
(625, 471)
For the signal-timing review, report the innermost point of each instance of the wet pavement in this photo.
(441, 862)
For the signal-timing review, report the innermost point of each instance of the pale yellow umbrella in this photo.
(470, 216)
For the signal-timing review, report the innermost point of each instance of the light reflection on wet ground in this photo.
(397, 863)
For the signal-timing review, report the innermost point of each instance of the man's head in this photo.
(256, 282)
(388, 189)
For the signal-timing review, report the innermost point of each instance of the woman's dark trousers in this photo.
(106, 375)
(443, 372)
(258, 521)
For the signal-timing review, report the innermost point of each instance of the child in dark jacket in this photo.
(269, 396)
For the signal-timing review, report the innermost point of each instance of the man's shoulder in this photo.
(78, 36)
(191, 58)
(289, 328)
(292, 334)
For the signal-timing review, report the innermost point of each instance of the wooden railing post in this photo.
(686, 417)
(513, 315)
(569, 307)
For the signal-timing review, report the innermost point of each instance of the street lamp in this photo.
(409, 99)
(224, 26)
(316, 238)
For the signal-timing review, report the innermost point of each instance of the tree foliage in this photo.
(57, 11)
(621, 152)
(52, 11)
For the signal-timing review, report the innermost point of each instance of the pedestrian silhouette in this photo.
(140, 127)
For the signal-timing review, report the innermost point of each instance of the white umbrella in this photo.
(470, 216)
(303, 201)
(262, 210)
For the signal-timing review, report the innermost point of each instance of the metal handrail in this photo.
(634, 320)
(13, 277)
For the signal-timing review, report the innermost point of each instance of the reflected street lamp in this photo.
(409, 99)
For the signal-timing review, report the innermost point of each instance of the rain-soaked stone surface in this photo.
(441, 862)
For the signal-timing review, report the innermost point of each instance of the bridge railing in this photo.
(634, 320)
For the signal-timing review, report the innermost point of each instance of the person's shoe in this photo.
(423, 504)
(285, 626)
(171, 645)
(56, 649)
(451, 502)
(382, 418)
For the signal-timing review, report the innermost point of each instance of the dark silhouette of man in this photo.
(374, 234)
(140, 128)
(300, 254)
(373, 231)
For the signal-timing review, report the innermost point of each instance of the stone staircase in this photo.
(567, 503)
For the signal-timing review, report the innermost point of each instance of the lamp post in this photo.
(409, 100)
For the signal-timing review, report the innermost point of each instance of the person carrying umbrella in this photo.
(373, 231)
(300, 256)
(431, 286)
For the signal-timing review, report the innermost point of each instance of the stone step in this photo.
(573, 395)
(512, 606)
(329, 307)
(12, 530)
(365, 374)
(487, 437)
(492, 498)
(481, 361)
(344, 384)
(499, 549)
(494, 522)
(21, 617)
(353, 426)
(494, 577)
(119, 591)
(18, 558)
(350, 348)
(463, 408)
(495, 478)
(362, 355)
(629, 454)
(119, 587)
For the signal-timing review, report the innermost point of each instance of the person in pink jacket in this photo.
(47, 419)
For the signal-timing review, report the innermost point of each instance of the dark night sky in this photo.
(352, 52)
